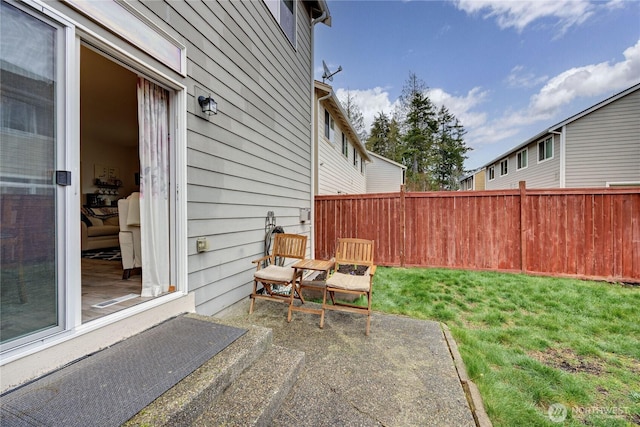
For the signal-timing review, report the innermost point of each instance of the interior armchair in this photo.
(353, 275)
(272, 273)
(129, 237)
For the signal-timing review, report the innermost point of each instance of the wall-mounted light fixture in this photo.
(204, 104)
(208, 104)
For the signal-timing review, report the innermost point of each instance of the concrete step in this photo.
(255, 396)
(193, 396)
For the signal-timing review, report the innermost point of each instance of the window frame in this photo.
(543, 143)
(276, 9)
(355, 157)
(345, 146)
(491, 172)
(519, 157)
(504, 167)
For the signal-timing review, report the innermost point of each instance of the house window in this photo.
(522, 159)
(355, 157)
(545, 149)
(504, 167)
(329, 127)
(361, 165)
(284, 12)
(492, 173)
(345, 145)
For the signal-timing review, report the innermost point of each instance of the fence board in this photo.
(588, 233)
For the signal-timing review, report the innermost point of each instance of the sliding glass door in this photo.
(31, 58)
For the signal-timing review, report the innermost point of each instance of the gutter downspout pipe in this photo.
(312, 183)
(562, 179)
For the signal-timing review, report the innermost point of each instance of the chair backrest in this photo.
(290, 246)
(354, 251)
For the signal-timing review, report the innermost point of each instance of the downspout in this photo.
(313, 137)
(563, 157)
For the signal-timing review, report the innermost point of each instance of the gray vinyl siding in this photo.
(336, 172)
(383, 177)
(545, 174)
(604, 146)
(254, 155)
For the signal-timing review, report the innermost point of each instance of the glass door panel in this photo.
(29, 293)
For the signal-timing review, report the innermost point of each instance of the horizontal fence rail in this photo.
(586, 233)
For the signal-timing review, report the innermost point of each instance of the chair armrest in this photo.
(255, 261)
(260, 261)
(372, 270)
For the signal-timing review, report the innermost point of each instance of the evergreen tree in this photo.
(384, 137)
(449, 151)
(419, 125)
(354, 114)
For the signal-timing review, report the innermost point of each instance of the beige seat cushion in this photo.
(275, 273)
(349, 282)
(103, 230)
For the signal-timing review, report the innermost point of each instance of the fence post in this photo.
(403, 237)
(523, 221)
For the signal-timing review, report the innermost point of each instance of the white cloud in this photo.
(461, 106)
(519, 14)
(519, 77)
(370, 101)
(587, 81)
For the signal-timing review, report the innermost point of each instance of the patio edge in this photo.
(470, 389)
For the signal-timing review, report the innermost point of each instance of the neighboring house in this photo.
(599, 147)
(110, 93)
(475, 181)
(340, 157)
(384, 175)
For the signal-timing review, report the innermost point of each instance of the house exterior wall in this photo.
(604, 146)
(474, 182)
(336, 172)
(253, 157)
(537, 174)
(383, 176)
(601, 147)
(479, 180)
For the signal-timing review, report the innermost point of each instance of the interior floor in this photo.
(102, 281)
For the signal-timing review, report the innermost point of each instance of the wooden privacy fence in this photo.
(586, 233)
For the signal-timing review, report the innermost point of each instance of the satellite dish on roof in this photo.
(328, 75)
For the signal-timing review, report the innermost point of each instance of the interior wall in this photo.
(109, 123)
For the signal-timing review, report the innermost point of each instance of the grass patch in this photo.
(529, 342)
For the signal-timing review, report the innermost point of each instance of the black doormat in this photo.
(103, 254)
(109, 387)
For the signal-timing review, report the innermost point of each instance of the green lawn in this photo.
(531, 342)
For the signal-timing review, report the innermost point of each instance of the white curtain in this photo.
(153, 106)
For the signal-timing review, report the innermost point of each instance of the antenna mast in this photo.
(328, 75)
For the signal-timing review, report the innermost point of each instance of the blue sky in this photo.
(506, 69)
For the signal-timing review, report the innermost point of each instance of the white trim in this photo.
(64, 36)
(506, 163)
(526, 149)
(61, 337)
(72, 323)
(622, 184)
(553, 149)
(563, 157)
(140, 36)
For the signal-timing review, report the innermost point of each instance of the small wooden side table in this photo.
(309, 264)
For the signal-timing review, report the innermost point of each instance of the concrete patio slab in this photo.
(403, 374)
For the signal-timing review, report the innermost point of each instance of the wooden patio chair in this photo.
(272, 273)
(351, 252)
